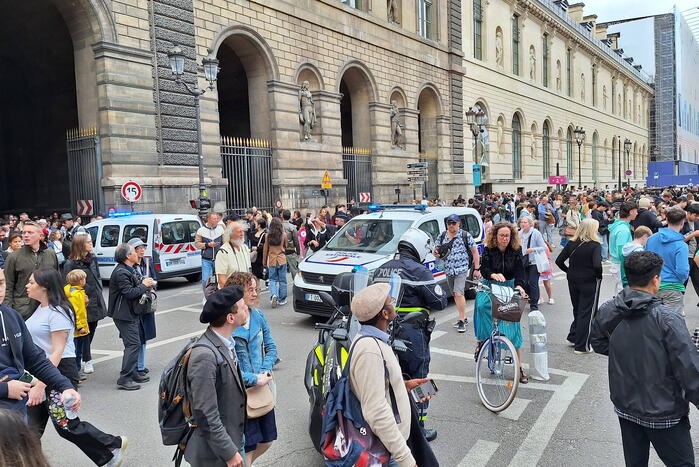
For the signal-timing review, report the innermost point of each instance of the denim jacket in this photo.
(255, 347)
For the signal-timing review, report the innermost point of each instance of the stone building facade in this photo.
(539, 69)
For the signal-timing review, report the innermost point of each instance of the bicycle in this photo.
(497, 366)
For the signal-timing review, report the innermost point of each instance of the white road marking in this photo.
(191, 309)
(157, 313)
(436, 335)
(117, 354)
(472, 380)
(539, 435)
(448, 317)
(516, 409)
(479, 454)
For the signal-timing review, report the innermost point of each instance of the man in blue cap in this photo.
(458, 250)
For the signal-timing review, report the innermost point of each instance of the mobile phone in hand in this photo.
(426, 389)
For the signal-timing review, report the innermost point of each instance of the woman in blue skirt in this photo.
(501, 264)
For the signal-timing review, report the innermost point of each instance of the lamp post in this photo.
(579, 138)
(210, 64)
(476, 120)
(627, 149)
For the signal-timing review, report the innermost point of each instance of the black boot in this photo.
(430, 435)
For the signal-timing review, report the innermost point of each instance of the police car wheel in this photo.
(193, 277)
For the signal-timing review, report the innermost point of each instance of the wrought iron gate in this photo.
(85, 168)
(356, 169)
(247, 165)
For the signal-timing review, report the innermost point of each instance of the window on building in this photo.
(546, 149)
(545, 60)
(613, 97)
(569, 72)
(424, 18)
(624, 104)
(516, 148)
(477, 30)
(515, 44)
(614, 158)
(595, 143)
(594, 85)
(353, 3)
(569, 154)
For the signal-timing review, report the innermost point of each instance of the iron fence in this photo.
(356, 169)
(85, 168)
(247, 165)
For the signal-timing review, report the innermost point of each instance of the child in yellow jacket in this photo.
(75, 291)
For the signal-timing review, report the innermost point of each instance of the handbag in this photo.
(525, 258)
(506, 305)
(542, 262)
(260, 400)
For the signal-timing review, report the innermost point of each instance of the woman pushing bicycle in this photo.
(501, 264)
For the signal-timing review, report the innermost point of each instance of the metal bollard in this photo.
(539, 356)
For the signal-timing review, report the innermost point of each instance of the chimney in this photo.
(575, 11)
(601, 31)
(614, 37)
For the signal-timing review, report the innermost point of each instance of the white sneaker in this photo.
(282, 302)
(88, 367)
(552, 301)
(119, 454)
(541, 300)
(274, 301)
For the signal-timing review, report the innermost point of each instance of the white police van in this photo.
(169, 239)
(370, 240)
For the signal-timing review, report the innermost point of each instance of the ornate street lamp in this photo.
(210, 64)
(579, 138)
(627, 149)
(476, 120)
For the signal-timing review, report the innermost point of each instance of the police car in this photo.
(369, 240)
(169, 239)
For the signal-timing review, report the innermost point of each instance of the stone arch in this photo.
(429, 107)
(246, 64)
(309, 72)
(436, 96)
(48, 96)
(483, 104)
(358, 89)
(397, 94)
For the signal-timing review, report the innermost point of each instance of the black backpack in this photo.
(174, 411)
(464, 236)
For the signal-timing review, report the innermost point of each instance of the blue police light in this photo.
(127, 213)
(381, 207)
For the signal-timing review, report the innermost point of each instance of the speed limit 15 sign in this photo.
(131, 191)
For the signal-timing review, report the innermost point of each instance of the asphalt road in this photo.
(568, 420)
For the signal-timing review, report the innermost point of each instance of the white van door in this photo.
(107, 241)
(175, 245)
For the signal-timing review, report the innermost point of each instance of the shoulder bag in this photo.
(508, 306)
(260, 400)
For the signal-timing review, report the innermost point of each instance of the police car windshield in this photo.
(369, 235)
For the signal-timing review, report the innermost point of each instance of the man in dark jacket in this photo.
(217, 392)
(22, 263)
(601, 216)
(651, 380)
(421, 294)
(646, 216)
(125, 292)
(18, 353)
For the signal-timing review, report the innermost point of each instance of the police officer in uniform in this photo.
(421, 294)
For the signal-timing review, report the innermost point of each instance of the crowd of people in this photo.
(53, 300)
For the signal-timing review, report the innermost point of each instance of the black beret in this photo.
(220, 303)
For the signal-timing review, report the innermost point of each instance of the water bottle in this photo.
(68, 403)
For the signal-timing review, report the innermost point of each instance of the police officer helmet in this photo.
(420, 243)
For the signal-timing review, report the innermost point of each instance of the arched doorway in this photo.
(355, 121)
(429, 107)
(244, 122)
(39, 103)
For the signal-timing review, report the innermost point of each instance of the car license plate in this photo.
(174, 262)
(311, 297)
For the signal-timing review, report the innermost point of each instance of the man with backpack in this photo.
(216, 390)
(293, 248)
(458, 251)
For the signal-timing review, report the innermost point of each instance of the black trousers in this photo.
(582, 296)
(87, 355)
(693, 275)
(673, 445)
(130, 333)
(96, 444)
(415, 363)
(532, 274)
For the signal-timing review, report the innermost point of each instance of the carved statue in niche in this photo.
(499, 52)
(604, 97)
(533, 146)
(582, 87)
(558, 76)
(396, 127)
(307, 111)
(500, 136)
(618, 107)
(532, 63)
(393, 12)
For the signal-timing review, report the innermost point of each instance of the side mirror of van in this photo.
(327, 299)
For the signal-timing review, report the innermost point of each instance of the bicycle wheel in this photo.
(497, 373)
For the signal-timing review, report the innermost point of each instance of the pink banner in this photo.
(557, 180)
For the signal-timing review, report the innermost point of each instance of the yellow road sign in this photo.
(327, 183)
